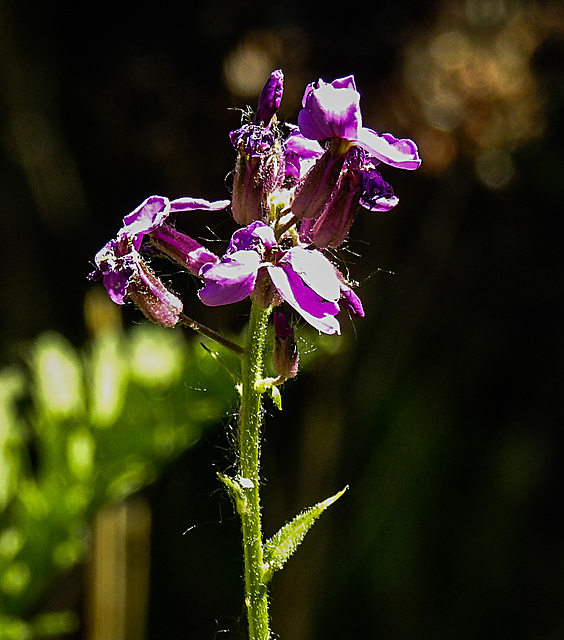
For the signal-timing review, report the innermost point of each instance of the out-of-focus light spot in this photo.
(437, 149)
(15, 579)
(247, 67)
(109, 376)
(485, 12)
(156, 355)
(470, 76)
(58, 381)
(495, 169)
(449, 49)
(80, 453)
(100, 313)
(11, 541)
(67, 553)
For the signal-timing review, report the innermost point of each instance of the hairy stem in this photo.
(256, 598)
(210, 333)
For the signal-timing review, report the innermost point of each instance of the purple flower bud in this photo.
(350, 302)
(124, 274)
(285, 353)
(157, 303)
(247, 201)
(270, 98)
(259, 170)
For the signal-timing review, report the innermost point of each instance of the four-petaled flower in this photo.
(304, 278)
(124, 272)
(346, 175)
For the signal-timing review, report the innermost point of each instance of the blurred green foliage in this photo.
(83, 428)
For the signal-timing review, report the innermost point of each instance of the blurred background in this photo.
(442, 409)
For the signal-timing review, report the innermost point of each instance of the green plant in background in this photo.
(99, 424)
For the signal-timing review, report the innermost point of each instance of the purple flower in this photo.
(150, 218)
(304, 278)
(332, 110)
(346, 175)
(125, 274)
(358, 183)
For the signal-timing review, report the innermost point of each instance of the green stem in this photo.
(249, 461)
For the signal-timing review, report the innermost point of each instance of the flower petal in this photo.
(197, 204)
(319, 313)
(331, 111)
(256, 235)
(230, 280)
(315, 270)
(149, 215)
(400, 153)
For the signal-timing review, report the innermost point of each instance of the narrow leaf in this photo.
(282, 545)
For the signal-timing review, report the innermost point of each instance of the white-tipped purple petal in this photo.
(400, 153)
(319, 313)
(330, 111)
(381, 204)
(197, 204)
(230, 280)
(316, 272)
(300, 154)
(149, 215)
(256, 235)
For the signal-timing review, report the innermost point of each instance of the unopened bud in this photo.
(259, 170)
(157, 303)
(285, 354)
(270, 98)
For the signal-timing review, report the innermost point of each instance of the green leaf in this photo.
(282, 545)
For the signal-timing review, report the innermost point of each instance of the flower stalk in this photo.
(296, 192)
(250, 415)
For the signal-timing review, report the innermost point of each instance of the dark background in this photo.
(442, 408)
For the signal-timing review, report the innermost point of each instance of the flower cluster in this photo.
(296, 192)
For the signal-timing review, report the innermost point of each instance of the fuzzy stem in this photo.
(210, 333)
(256, 598)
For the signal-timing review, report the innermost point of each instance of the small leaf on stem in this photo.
(282, 545)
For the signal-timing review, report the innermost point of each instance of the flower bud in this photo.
(350, 302)
(270, 98)
(157, 303)
(285, 354)
(259, 170)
